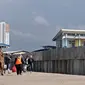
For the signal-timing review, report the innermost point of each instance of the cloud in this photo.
(22, 34)
(41, 20)
(34, 13)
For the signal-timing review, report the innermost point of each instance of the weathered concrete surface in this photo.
(41, 79)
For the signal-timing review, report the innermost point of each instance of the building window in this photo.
(82, 34)
(71, 34)
(77, 34)
(72, 43)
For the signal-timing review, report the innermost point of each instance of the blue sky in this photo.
(33, 23)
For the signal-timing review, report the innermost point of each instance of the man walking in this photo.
(30, 62)
(7, 61)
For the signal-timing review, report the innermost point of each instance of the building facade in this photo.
(4, 33)
(70, 38)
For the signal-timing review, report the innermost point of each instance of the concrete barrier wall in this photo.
(61, 66)
(61, 60)
(70, 53)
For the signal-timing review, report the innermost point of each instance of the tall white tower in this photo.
(4, 33)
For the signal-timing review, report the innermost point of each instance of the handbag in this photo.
(14, 68)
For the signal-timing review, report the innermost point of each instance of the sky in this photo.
(33, 23)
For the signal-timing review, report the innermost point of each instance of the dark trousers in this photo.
(19, 69)
(31, 67)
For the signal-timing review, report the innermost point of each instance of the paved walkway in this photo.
(41, 79)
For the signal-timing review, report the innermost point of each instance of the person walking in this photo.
(1, 62)
(9, 65)
(30, 62)
(7, 61)
(19, 63)
(26, 63)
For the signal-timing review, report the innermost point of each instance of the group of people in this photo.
(21, 64)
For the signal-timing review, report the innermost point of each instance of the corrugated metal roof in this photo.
(4, 45)
(73, 30)
(49, 46)
(19, 51)
(40, 50)
(68, 31)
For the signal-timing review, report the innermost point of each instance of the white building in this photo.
(70, 38)
(4, 33)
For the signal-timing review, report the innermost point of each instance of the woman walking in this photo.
(19, 63)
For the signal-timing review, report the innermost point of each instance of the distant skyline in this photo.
(33, 23)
